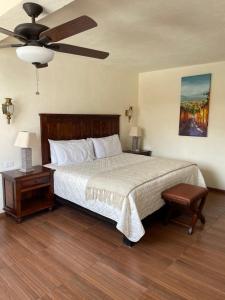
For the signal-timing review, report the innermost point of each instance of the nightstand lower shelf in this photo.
(35, 205)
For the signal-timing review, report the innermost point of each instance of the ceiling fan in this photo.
(39, 42)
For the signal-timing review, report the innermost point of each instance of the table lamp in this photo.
(25, 141)
(135, 132)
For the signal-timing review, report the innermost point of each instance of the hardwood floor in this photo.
(66, 254)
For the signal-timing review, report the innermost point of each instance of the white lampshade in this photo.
(135, 131)
(25, 139)
(35, 54)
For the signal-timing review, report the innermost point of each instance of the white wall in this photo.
(69, 85)
(159, 107)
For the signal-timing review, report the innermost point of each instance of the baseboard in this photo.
(216, 190)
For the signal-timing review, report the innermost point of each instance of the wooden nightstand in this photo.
(27, 193)
(140, 152)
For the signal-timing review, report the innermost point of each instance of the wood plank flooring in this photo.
(66, 254)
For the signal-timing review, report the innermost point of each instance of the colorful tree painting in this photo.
(194, 108)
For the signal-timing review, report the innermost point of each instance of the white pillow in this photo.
(71, 151)
(107, 146)
(52, 151)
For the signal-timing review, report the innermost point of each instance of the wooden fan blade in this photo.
(65, 48)
(67, 29)
(11, 33)
(11, 46)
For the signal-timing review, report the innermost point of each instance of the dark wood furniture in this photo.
(73, 126)
(27, 193)
(189, 196)
(140, 152)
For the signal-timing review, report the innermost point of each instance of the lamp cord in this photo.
(37, 81)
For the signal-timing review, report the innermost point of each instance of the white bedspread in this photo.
(70, 183)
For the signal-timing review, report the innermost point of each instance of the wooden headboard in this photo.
(72, 126)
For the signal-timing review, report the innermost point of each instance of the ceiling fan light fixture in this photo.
(35, 54)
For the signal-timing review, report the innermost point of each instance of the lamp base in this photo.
(26, 156)
(135, 143)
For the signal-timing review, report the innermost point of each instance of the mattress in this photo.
(71, 182)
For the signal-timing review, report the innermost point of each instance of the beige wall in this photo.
(69, 85)
(159, 104)
(74, 85)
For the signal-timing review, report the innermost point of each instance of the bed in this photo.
(125, 188)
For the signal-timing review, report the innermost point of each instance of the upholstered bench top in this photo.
(184, 193)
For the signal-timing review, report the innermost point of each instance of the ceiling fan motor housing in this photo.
(30, 30)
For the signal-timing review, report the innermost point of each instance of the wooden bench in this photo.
(186, 195)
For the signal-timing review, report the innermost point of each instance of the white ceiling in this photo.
(146, 34)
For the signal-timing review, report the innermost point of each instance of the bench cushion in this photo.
(184, 193)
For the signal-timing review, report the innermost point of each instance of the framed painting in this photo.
(194, 106)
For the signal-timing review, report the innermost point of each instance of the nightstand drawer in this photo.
(34, 182)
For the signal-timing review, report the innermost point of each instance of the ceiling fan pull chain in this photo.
(37, 81)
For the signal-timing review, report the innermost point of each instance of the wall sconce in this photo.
(8, 109)
(129, 113)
